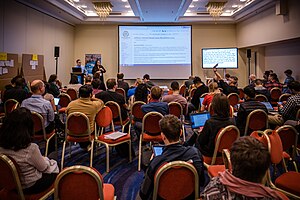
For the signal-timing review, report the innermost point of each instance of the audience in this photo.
(154, 102)
(213, 89)
(220, 119)
(230, 87)
(247, 107)
(141, 93)
(170, 131)
(260, 89)
(37, 173)
(188, 83)
(288, 73)
(250, 161)
(73, 83)
(96, 86)
(265, 77)
(273, 82)
(122, 83)
(131, 90)
(54, 85)
(86, 104)
(16, 92)
(201, 89)
(252, 79)
(88, 80)
(146, 79)
(175, 96)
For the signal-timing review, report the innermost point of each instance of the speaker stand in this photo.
(56, 65)
(249, 66)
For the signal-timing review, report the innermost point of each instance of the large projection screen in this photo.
(163, 52)
(226, 58)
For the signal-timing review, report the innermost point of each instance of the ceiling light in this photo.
(127, 6)
(188, 11)
(124, 0)
(191, 6)
(243, 0)
(195, 0)
(103, 8)
(76, 1)
(215, 9)
(83, 6)
(234, 6)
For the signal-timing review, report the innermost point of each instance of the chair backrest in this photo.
(275, 93)
(38, 123)
(233, 99)
(10, 179)
(261, 98)
(121, 91)
(10, 105)
(72, 93)
(78, 182)
(151, 123)
(224, 140)
(274, 146)
(211, 110)
(192, 92)
(226, 159)
(176, 109)
(64, 100)
(241, 93)
(136, 110)
(284, 97)
(116, 110)
(78, 125)
(289, 138)
(259, 135)
(204, 94)
(256, 120)
(104, 118)
(182, 90)
(176, 180)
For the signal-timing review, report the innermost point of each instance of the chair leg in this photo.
(92, 152)
(183, 132)
(63, 155)
(47, 146)
(140, 153)
(107, 158)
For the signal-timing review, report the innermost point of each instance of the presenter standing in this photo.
(78, 65)
(98, 68)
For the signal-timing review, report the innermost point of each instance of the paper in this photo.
(115, 135)
(4, 70)
(3, 56)
(34, 57)
(33, 67)
(33, 62)
(1, 63)
(11, 63)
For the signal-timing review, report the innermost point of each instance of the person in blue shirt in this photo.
(287, 80)
(78, 65)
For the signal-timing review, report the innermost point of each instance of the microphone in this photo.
(216, 65)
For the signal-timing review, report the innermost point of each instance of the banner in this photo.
(90, 60)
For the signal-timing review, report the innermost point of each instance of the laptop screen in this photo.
(76, 70)
(268, 105)
(56, 100)
(201, 100)
(199, 119)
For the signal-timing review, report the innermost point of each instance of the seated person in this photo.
(146, 79)
(201, 89)
(260, 89)
(121, 83)
(131, 90)
(96, 86)
(289, 78)
(247, 107)
(230, 87)
(175, 96)
(54, 85)
(273, 82)
(16, 91)
(37, 173)
(173, 151)
(213, 89)
(154, 102)
(74, 84)
(250, 161)
(205, 141)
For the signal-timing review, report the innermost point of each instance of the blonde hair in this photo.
(213, 86)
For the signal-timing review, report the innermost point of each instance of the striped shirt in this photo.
(291, 107)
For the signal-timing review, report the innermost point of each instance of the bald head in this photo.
(37, 87)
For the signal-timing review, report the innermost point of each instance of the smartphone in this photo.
(157, 150)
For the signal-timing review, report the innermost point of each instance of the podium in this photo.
(80, 77)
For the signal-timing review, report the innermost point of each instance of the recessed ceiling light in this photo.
(228, 11)
(127, 6)
(83, 6)
(234, 6)
(191, 6)
(188, 11)
(76, 0)
(124, 0)
(195, 0)
(243, 0)
(130, 11)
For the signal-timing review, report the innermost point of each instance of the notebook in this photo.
(268, 106)
(198, 119)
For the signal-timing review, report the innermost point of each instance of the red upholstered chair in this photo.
(287, 183)
(64, 100)
(191, 94)
(211, 110)
(77, 130)
(182, 90)
(104, 119)
(72, 93)
(234, 99)
(284, 97)
(241, 93)
(10, 105)
(150, 131)
(10, 185)
(213, 170)
(136, 112)
(176, 180)
(116, 110)
(275, 94)
(81, 182)
(176, 109)
(39, 126)
(256, 120)
(122, 92)
(261, 98)
(223, 140)
(289, 137)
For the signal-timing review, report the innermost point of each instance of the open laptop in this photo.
(198, 119)
(268, 106)
(56, 100)
(76, 70)
(201, 101)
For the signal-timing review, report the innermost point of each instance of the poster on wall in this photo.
(90, 60)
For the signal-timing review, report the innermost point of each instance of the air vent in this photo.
(202, 13)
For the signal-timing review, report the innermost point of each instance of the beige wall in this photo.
(27, 31)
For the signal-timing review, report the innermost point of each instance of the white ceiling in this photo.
(148, 11)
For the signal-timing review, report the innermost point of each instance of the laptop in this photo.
(201, 100)
(76, 70)
(198, 119)
(268, 106)
(56, 100)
